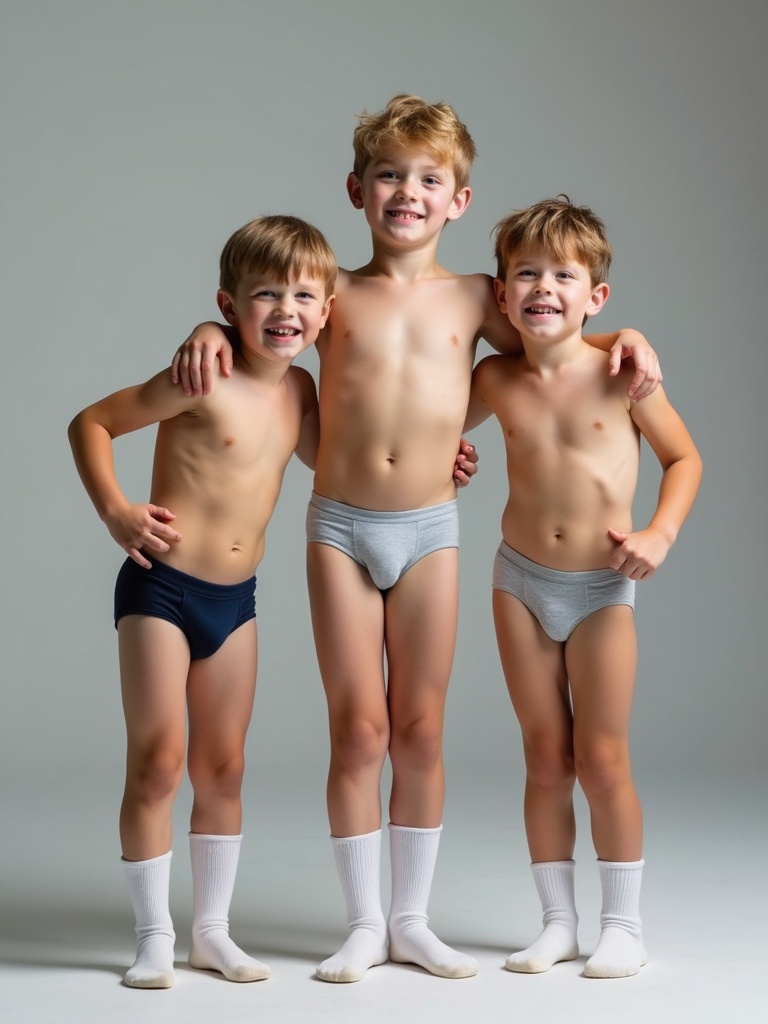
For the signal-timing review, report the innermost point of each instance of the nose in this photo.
(543, 285)
(285, 305)
(406, 189)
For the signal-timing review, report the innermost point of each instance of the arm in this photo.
(90, 435)
(193, 363)
(309, 434)
(640, 553)
(629, 344)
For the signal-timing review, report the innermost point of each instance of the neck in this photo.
(404, 264)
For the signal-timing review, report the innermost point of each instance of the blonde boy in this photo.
(184, 600)
(382, 524)
(565, 572)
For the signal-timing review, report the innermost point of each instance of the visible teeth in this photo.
(542, 309)
(283, 331)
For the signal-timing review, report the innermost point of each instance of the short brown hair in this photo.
(409, 121)
(567, 231)
(279, 245)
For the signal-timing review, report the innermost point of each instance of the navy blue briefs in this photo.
(206, 613)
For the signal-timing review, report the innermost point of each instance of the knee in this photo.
(417, 744)
(358, 742)
(220, 779)
(155, 775)
(602, 769)
(549, 764)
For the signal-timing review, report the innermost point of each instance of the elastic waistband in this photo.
(546, 573)
(369, 515)
(194, 585)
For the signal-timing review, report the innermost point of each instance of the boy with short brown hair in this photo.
(184, 599)
(382, 524)
(564, 575)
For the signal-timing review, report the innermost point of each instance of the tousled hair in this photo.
(408, 122)
(277, 245)
(565, 230)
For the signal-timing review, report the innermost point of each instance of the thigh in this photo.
(534, 670)
(348, 624)
(601, 655)
(421, 614)
(154, 664)
(220, 694)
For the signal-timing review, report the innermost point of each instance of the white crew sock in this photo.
(358, 862)
(413, 855)
(620, 951)
(148, 886)
(214, 868)
(557, 941)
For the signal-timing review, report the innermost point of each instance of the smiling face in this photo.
(407, 196)
(276, 320)
(546, 298)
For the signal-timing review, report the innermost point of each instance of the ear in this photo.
(327, 308)
(227, 307)
(460, 203)
(500, 289)
(355, 190)
(599, 298)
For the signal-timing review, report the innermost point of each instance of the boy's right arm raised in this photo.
(91, 433)
(195, 359)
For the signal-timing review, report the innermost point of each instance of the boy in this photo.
(382, 525)
(565, 572)
(184, 600)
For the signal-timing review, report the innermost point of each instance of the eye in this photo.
(525, 273)
(264, 293)
(564, 274)
(388, 176)
(306, 296)
(431, 180)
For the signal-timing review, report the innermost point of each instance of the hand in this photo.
(648, 376)
(194, 360)
(639, 554)
(465, 466)
(143, 526)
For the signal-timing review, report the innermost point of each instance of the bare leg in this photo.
(348, 622)
(220, 699)
(534, 669)
(154, 660)
(421, 613)
(601, 658)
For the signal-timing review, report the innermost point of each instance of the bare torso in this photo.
(572, 457)
(219, 468)
(395, 371)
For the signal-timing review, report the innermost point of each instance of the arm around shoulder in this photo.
(309, 434)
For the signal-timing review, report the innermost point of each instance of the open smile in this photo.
(403, 215)
(542, 311)
(282, 333)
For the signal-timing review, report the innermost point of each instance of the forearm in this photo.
(677, 493)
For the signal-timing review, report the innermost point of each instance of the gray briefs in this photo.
(387, 544)
(559, 600)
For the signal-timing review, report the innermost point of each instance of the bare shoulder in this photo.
(302, 384)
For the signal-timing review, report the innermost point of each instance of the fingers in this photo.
(614, 359)
(646, 379)
(138, 558)
(175, 368)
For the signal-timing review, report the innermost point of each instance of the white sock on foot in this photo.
(620, 952)
(148, 886)
(413, 855)
(557, 941)
(358, 862)
(214, 869)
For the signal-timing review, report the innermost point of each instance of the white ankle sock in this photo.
(557, 941)
(214, 868)
(620, 951)
(148, 886)
(413, 855)
(358, 862)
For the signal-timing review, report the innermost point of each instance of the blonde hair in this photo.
(279, 245)
(408, 122)
(565, 230)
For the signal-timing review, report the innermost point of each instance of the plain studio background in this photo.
(135, 138)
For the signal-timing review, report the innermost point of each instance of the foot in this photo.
(418, 945)
(619, 954)
(215, 951)
(364, 948)
(555, 944)
(153, 966)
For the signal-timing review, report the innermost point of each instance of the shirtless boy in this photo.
(382, 525)
(184, 600)
(564, 575)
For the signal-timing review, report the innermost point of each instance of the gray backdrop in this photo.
(137, 136)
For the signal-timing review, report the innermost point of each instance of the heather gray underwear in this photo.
(559, 600)
(387, 544)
